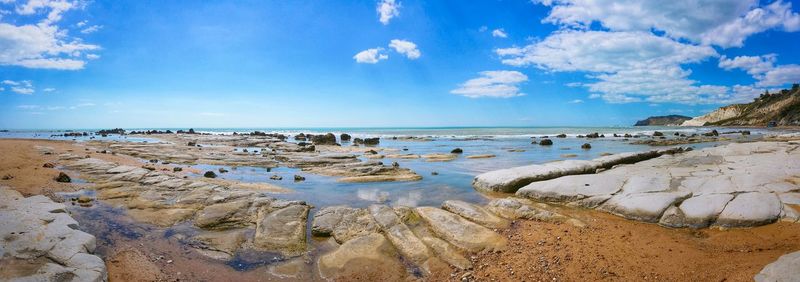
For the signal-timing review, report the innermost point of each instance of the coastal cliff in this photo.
(669, 120)
(778, 109)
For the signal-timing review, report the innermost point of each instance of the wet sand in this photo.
(611, 248)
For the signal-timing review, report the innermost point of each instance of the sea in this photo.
(441, 180)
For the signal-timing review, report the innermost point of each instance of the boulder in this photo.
(371, 253)
(210, 174)
(546, 142)
(586, 146)
(457, 151)
(643, 206)
(344, 137)
(326, 139)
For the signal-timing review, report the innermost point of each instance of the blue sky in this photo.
(79, 64)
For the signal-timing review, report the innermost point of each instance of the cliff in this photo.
(669, 120)
(782, 108)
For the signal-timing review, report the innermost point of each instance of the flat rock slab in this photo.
(511, 179)
(372, 250)
(786, 268)
(573, 188)
(34, 228)
(408, 244)
(283, 230)
(750, 209)
(696, 212)
(475, 214)
(461, 232)
(643, 206)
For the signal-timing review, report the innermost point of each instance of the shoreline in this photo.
(522, 235)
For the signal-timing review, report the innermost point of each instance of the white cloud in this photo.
(42, 45)
(576, 101)
(763, 69)
(28, 107)
(91, 29)
(20, 87)
(48, 89)
(722, 23)
(499, 33)
(92, 56)
(494, 84)
(602, 51)
(370, 56)
(388, 9)
(82, 23)
(407, 48)
(635, 66)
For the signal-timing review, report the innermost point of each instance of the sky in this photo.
(386, 63)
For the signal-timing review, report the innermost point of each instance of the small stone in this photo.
(177, 169)
(276, 177)
(63, 178)
(546, 142)
(210, 174)
(586, 146)
(298, 178)
(48, 165)
(457, 151)
(222, 170)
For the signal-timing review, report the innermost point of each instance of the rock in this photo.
(222, 170)
(434, 173)
(745, 132)
(408, 244)
(177, 169)
(224, 215)
(282, 230)
(696, 212)
(643, 206)
(516, 208)
(593, 135)
(750, 209)
(344, 137)
(657, 134)
(546, 142)
(562, 135)
(786, 268)
(326, 219)
(367, 141)
(511, 179)
(326, 139)
(210, 174)
(191, 143)
(371, 253)
(438, 157)
(276, 177)
(475, 214)
(457, 151)
(63, 178)
(483, 156)
(38, 230)
(48, 165)
(461, 232)
(586, 146)
(298, 178)
(572, 188)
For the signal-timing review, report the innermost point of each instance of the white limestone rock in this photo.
(750, 209)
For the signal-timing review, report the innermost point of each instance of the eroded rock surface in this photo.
(786, 268)
(39, 231)
(735, 185)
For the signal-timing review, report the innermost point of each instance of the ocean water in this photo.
(511, 145)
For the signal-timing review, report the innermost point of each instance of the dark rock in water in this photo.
(210, 174)
(434, 173)
(344, 137)
(745, 132)
(670, 120)
(534, 142)
(371, 152)
(395, 164)
(593, 135)
(457, 151)
(712, 133)
(562, 135)
(105, 132)
(676, 134)
(327, 139)
(222, 170)
(154, 161)
(63, 178)
(627, 135)
(586, 146)
(372, 141)
(276, 177)
(49, 165)
(358, 141)
(245, 150)
(177, 169)
(546, 142)
(658, 133)
(300, 137)
(298, 178)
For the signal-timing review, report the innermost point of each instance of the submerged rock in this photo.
(63, 177)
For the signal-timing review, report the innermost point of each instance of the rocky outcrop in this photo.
(41, 233)
(779, 109)
(670, 120)
(509, 180)
(736, 185)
